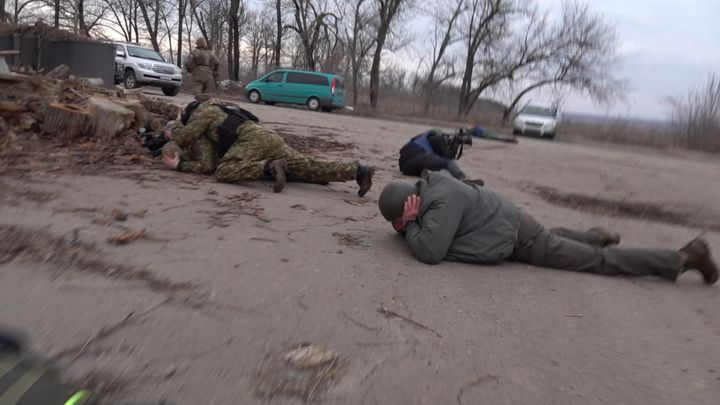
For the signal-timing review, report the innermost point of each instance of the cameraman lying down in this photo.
(433, 150)
(446, 219)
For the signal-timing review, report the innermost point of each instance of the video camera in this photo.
(456, 142)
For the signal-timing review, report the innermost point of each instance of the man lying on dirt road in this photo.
(224, 139)
(445, 219)
(431, 150)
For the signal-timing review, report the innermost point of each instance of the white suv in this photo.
(537, 119)
(136, 66)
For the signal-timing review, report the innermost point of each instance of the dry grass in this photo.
(620, 131)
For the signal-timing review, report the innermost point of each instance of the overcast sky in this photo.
(666, 48)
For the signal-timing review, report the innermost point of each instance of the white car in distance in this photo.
(537, 119)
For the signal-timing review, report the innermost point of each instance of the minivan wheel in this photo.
(129, 80)
(313, 104)
(254, 96)
(171, 91)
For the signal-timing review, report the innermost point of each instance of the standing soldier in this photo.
(248, 151)
(202, 64)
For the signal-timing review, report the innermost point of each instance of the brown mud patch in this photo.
(619, 208)
(73, 255)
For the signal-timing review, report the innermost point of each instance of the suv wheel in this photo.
(129, 80)
(254, 96)
(313, 104)
(171, 91)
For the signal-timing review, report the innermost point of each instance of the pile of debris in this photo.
(58, 108)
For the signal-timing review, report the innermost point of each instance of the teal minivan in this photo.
(317, 90)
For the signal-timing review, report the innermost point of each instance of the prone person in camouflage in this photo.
(202, 64)
(244, 150)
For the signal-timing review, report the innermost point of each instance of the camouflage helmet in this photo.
(171, 149)
(200, 42)
(393, 197)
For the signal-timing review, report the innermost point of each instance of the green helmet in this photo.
(393, 197)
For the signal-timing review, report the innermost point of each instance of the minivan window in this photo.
(144, 53)
(275, 78)
(306, 78)
(339, 82)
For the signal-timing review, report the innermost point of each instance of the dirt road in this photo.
(229, 277)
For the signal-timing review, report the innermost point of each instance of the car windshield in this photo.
(144, 53)
(541, 111)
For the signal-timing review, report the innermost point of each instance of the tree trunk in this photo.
(355, 77)
(234, 48)
(3, 16)
(388, 11)
(375, 70)
(66, 121)
(81, 18)
(230, 49)
(278, 38)
(57, 13)
(181, 18)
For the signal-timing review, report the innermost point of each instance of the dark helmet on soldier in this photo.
(393, 197)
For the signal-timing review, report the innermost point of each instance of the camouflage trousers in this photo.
(256, 146)
(203, 81)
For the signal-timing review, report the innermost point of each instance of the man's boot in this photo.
(364, 178)
(608, 238)
(698, 257)
(275, 172)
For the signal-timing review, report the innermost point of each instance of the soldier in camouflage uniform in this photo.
(257, 153)
(202, 64)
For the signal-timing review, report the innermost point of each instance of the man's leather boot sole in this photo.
(365, 175)
(699, 258)
(279, 167)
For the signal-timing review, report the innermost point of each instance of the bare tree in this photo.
(443, 36)
(3, 15)
(359, 39)
(313, 23)
(486, 21)
(181, 9)
(211, 17)
(236, 16)
(387, 12)
(279, 32)
(18, 8)
(152, 11)
(580, 55)
(124, 18)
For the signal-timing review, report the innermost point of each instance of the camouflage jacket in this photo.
(201, 58)
(200, 157)
(198, 139)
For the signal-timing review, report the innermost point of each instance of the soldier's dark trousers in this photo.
(566, 249)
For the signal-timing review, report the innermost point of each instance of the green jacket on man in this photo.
(462, 222)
